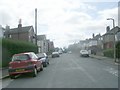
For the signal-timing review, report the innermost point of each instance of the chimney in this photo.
(93, 35)
(107, 28)
(20, 25)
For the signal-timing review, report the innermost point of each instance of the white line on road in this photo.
(112, 71)
(82, 69)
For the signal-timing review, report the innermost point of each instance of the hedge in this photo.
(110, 52)
(10, 47)
(118, 49)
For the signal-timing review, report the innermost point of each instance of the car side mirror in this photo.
(40, 58)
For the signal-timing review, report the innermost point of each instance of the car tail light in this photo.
(10, 65)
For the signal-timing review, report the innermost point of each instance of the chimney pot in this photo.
(20, 25)
(107, 28)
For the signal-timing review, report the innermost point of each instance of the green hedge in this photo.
(10, 47)
(109, 53)
(118, 50)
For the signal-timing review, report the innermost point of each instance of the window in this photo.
(33, 56)
(20, 57)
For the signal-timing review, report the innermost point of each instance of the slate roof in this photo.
(15, 30)
(117, 29)
(41, 37)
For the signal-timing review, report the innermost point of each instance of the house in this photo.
(2, 31)
(118, 35)
(51, 46)
(42, 43)
(95, 44)
(108, 37)
(20, 33)
(83, 44)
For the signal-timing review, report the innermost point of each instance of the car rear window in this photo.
(84, 51)
(20, 57)
(55, 53)
(41, 55)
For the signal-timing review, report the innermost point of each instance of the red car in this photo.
(25, 63)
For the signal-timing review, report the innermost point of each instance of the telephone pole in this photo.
(36, 26)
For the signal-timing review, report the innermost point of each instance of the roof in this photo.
(41, 37)
(23, 53)
(97, 37)
(117, 29)
(23, 29)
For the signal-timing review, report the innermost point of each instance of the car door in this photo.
(37, 62)
(46, 57)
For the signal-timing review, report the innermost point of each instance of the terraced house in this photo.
(108, 37)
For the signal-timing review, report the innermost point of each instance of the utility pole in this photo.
(36, 26)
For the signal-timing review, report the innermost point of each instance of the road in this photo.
(70, 71)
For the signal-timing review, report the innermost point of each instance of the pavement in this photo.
(5, 74)
(106, 59)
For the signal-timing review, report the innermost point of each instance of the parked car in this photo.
(55, 54)
(84, 53)
(60, 52)
(44, 58)
(24, 63)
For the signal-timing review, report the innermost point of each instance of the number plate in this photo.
(20, 70)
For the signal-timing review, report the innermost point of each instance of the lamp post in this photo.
(114, 38)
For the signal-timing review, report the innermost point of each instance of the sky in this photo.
(63, 21)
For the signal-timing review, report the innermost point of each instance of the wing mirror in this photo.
(39, 58)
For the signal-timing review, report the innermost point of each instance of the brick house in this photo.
(20, 33)
(108, 37)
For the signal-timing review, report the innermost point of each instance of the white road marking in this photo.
(112, 71)
(82, 69)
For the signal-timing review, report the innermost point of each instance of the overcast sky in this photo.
(63, 21)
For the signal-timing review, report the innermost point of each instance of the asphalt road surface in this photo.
(70, 71)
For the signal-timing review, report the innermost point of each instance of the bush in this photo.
(10, 47)
(109, 53)
(118, 50)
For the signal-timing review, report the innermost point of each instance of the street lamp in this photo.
(114, 38)
(112, 20)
